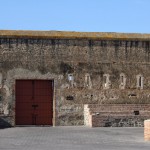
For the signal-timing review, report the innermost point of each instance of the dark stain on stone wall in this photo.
(66, 68)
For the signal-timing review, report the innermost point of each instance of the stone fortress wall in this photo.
(87, 68)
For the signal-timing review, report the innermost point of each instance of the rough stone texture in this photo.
(116, 115)
(87, 57)
(118, 121)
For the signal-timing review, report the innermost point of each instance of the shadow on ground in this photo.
(4, 123)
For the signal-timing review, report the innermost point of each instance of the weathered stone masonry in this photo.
(87, 68)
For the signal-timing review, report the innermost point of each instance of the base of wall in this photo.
(5, 121)
(118, 121)
(116, 115)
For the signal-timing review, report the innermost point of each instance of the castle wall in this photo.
(85, 71)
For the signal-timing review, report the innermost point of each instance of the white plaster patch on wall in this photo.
(66, 109)
(71, 80)
(59, 102)
(70, 108)
(140, 80)
(122, 81)
(88, 82)
(7, 91)
(107, 82)
(5, 109)
(6, 101)
(60, 77)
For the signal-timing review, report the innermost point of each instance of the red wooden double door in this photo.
(34, 102)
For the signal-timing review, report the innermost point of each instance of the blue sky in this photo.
(76, 15)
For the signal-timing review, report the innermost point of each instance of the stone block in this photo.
(147, 130)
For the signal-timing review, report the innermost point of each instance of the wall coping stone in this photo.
(73, 35)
